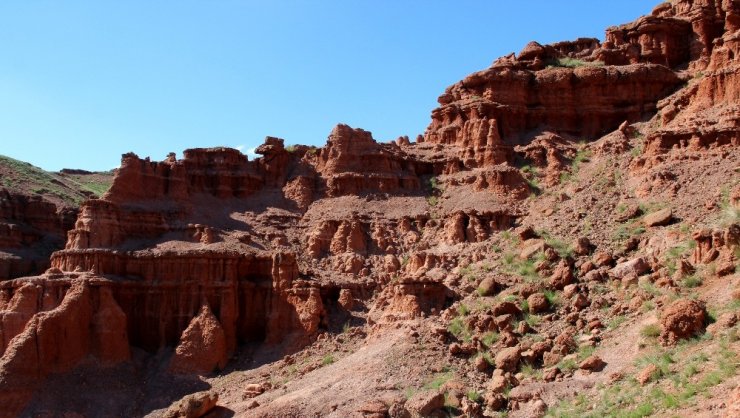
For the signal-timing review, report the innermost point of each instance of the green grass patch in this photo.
(691, 281)
(650, 331)
(568, 62)
(438, 380)
(490, 338)
(616, 322)
(474, 396)
(552, 296)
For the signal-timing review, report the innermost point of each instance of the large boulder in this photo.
(682, 319)
(508, 359)
(194, 405)
(659, 218)
(423, 404)
(634, 267)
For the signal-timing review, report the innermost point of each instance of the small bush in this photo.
(524, 305)
(458, 328)
(490, 338)
(552, 297)
(532, 320)
(691, 281)
(567, 365)
(650, 331)
(473, 396)
(438, 381)
(328, 359)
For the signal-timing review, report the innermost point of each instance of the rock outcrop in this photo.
(30, 230)
(187, 260)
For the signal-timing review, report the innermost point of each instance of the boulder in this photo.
(682, 319)
(422, 404)
(635, 267)
(488, 287)
(202, 347)
(537, 303)
(508, 359)
(659, 218)
(194, 405)
(592, 363)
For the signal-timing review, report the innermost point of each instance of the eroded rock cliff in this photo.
(200, 256)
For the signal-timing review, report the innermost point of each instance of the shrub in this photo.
(439, 380)
(691, 281)
(473, 396)
(552, 297)
(490, 338)
(650, 331)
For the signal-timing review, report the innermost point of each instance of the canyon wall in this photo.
(196, 256)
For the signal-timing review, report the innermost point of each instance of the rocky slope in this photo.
(568, 220)
(37, 208)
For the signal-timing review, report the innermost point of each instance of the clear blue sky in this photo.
(83, 82)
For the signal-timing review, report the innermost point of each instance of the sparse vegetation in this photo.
(439, 380)
(581, 156)
(490, 338)
(568, 62)
(473, 395)
(650, 331)
(561, 247)
(527, 269)
(691, 281)
(625, 232)
(675, 253)
(71, 189)
(328, 359)
(552, 297)
(616, 322)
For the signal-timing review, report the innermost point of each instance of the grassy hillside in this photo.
(61, 188)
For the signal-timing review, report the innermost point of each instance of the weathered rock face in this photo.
(30, 229)
(202, 347)
(353, 163)
(704, 116)
(199, 255)
(491, 110)
(49, 326)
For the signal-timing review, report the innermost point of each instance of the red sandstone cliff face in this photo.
(30, 229)
(353, 163)
(49, 326)
(199, 255)
(489, 112)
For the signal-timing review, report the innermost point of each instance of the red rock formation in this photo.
(202, 347)
(584, 102)
(201, 254)
(73, 320)
(30, 229)
(492, 110)
(353, 163)
(408, 300)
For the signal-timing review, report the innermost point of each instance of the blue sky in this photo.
(82, 82)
